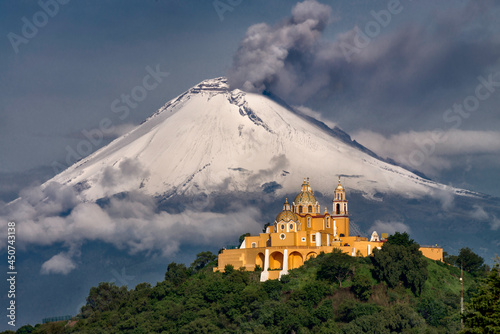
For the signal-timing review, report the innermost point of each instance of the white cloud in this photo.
(133, 224)
(128, 169)
(495, 223)
(430, 151)
(479, 213)
(445, 196)
(58, 264)
(389, 227)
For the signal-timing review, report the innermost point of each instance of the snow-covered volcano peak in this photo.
(211, 139)
(216, 84)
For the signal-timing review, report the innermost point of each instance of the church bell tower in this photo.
(339, 202)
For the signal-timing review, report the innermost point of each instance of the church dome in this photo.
(286, 216)
(305, 198)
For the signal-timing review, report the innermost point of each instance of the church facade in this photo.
(302, 231)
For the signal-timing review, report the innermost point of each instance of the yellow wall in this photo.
(250, 257)
(433, 253)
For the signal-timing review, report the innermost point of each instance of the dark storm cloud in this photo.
(391, 65)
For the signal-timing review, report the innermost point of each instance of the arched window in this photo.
(310, 209)
(291, 227)
(300, 208)
(254, 245)
(338, 208)
(308, 221)
(282, 226)
(327, 222)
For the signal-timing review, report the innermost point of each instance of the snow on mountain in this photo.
(212, 139)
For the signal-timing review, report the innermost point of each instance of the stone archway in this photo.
(259, 260)
(310, 255)
(276, 260)
(295, 260)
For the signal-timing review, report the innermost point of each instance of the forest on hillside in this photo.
(396, 290)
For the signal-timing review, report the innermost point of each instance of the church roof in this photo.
(286, 216)
(305, 198)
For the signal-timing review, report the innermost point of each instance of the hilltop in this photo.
(333, 293)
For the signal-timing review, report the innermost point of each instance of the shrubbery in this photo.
(333, 293)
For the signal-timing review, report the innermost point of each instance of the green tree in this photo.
(361, 286)
(199, 325)
(176, 273)
(273, 288)
(483, 314)
(395, 319)
(432, 309)
(401, 261)
(105, 297)
(401, 239)
(335, 266)
(450, 258)
(470, 261)
(350, 310)
(26, 329)
(204, 259)
(228, 270)
(266, 225)
(242, 237)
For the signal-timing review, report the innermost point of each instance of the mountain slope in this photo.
(211, 139)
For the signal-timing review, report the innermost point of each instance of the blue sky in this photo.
(398, 91)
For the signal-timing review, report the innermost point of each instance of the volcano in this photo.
(254, 148)
(213, 139)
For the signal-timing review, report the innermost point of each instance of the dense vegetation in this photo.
(396, 290)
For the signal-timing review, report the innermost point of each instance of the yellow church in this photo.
(301, 231)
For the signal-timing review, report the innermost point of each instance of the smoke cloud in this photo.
(280, 57)
(391, 66)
